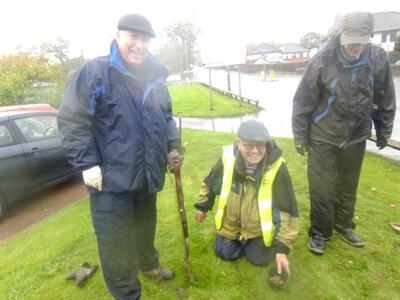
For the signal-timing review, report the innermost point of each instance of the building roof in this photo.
(293, 48)
(388, 20)
(263, 48)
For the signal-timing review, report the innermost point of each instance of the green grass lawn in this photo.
(193, 101)
(33, 264)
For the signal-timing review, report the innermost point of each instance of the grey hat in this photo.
(253, 130)
(136, 22)
(357, 28)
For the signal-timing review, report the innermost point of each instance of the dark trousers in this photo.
(125, 226)
(333, 175)
(253, 249)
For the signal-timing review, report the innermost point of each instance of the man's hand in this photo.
(93, 178)
(200, 216)
(282, 263)
(301, 148)
(175, 157)
(381, 141)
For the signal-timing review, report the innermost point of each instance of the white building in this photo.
(293, 52)
(386, 29)
(264, 54)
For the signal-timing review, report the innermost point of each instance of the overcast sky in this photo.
(90, 25)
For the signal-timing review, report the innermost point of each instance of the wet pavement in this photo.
(40, 206)
(275, 97)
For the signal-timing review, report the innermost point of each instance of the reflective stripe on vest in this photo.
(228, 160)
(264, 194)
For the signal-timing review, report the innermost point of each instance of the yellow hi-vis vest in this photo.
(264, 194)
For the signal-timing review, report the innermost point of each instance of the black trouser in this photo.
(125, 226)
(253, 249)
(333, 175)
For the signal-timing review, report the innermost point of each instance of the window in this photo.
(38, 127)
(393, 36)
(383, 37)
(5, 136)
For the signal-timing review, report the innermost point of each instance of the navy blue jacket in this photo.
(121, 120)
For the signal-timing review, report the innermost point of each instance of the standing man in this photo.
(345, 86)
(117, 127)
(257, 212)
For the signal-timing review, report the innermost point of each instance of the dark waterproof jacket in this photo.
(241, 218)
(337, 100)
(119, 120)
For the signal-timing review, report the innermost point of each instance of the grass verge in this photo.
(193, 101)
(33, 264)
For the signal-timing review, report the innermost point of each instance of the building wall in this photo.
(386, 40)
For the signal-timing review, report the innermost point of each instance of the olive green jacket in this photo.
(241, 218)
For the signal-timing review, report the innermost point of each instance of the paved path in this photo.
(41, 205)
(276, 98)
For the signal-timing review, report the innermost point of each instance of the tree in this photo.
(57, 49)
(311, 39)
(171, 55)
(179, 53)
(21, 74)
(393, 56)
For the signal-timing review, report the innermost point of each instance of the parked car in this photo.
(31, 154)
(30, 107)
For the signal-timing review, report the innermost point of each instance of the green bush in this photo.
(393, 56)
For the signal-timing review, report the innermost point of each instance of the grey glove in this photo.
(82, 274)
(301, 148)
(381, 141)
(175, 158)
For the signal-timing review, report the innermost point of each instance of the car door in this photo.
(42, 146)
(15, 180)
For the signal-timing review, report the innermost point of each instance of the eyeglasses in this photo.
(250, 146)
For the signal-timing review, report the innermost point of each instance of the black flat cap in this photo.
(136, 22)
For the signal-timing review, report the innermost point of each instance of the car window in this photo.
(6, 138)
(38, 127)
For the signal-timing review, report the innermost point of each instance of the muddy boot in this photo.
(160, 273)
(317, 244)
(348, 235)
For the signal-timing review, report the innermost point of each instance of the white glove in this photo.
(93, 177)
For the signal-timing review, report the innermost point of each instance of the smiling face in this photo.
(133, 46)
(252, 152)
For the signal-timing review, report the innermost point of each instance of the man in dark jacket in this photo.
(117, 127)
(345, 86)
(257, 212)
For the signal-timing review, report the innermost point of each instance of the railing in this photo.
(390, 143)
(221, 91)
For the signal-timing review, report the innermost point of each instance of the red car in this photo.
(31, 107)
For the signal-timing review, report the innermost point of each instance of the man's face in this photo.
(353, 51)
(252, 152)
(133, 46)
